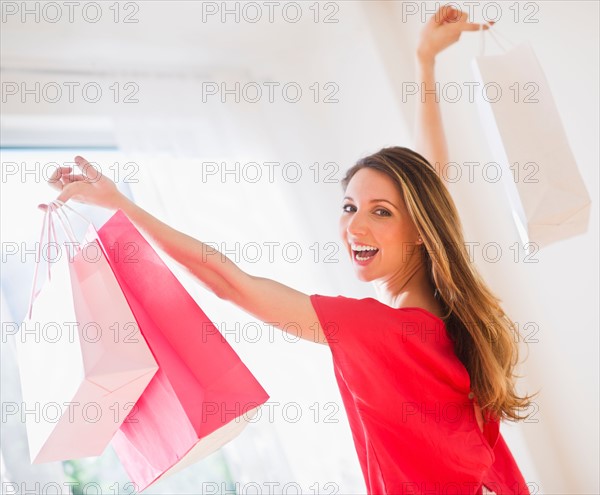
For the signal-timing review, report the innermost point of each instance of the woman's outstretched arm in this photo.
(265, 299)
(430, 138)
(443, 29)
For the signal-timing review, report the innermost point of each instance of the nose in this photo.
(356, 225)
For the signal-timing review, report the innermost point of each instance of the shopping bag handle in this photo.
(66, 225)
(61, 204)
(52, 208)
(491, 30)
(57, 209)
(57, 206)
(48, 228)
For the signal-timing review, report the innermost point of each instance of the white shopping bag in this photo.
(547, 194)
(83, 362)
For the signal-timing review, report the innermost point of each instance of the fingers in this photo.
(70, 191)
(86, 168)
(56, 177)
(68, 179)
(448, 14)
(473, 26)
(63, 176)
(66, 182)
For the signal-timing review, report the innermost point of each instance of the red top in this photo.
(406, 395)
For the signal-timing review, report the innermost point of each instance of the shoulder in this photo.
(343, 300)
(346, 307)
(368, 307)
(336, 313)
(341, 314)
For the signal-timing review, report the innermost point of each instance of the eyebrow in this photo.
(375, 201)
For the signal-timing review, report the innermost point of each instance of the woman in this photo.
(425, 371)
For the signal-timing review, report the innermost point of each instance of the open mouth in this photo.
(364, 255)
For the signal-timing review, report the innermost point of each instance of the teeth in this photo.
(360, 258)
(363, 248)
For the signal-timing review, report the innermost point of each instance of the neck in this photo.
(408, 287)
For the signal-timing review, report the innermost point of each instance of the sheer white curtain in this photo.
(214, 172)
(20, 228)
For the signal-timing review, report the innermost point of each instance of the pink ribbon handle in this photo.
(49, 228)
(53, 209)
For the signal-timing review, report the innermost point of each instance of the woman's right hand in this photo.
(90, 187)
(442, 30)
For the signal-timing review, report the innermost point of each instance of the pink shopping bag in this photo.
(82, 361)
(203, 395)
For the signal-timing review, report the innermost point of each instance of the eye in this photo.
(385, 212)
(348, 208)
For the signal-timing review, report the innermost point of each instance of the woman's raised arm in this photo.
(265, 299)
(443, 29)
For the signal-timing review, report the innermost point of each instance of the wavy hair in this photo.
(485, 339)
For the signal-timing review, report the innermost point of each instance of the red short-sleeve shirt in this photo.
(406, 395)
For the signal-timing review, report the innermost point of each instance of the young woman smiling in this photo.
(426, 369)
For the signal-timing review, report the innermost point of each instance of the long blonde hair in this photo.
(485, 339)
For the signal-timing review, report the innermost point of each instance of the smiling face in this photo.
(375, 216)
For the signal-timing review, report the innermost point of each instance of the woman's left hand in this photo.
(90, 187)
(443, 29)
